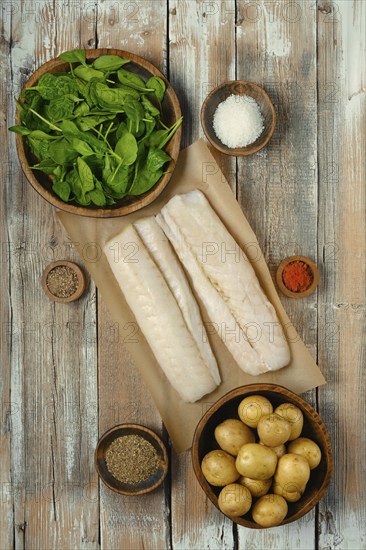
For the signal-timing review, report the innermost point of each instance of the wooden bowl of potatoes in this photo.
(262, 455)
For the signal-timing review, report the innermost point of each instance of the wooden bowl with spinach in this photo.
(98, 132)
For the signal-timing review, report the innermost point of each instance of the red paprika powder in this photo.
(297, 276)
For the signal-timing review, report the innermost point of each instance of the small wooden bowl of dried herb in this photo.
(297, 277)
(63, 281)
(131, 459)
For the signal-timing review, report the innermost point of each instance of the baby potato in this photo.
(308, 449)
(292, 469)
(252, 408)
(233, 434)
(235, 500)
(280, 450)
(273, 430)
(294, 416)
(289, 493)
(218, 467)
(270, 510)
(257, 487)
(256, 461)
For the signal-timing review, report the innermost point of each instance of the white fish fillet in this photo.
(231, 274)
(159, 316)
(221, 317)
(165, 258)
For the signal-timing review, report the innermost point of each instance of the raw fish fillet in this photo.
(219, 313)
(231, 273)
(165, 258)
(159, 316)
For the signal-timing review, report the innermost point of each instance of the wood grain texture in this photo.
(201, 56)
(142, 521)
(342, 300)
(276, 47)
(52, 363)
(6, 315)
(197, 65)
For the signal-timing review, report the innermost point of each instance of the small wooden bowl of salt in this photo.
(238, 118)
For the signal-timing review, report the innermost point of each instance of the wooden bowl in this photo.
(170, 113)
(80, 276)
(238, 87)
(129, 489)
(283, 287)
(227, 407)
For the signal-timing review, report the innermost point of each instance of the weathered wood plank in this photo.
(6, 169)
(276, 47)
(342, 300)
(201, 56)
(129, 522)
(52, 357)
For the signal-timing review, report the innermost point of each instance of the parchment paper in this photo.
(196, 169)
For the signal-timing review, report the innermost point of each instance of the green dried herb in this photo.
(131, 459)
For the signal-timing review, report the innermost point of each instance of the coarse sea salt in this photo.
(238, 121)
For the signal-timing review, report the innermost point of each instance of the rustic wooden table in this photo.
(65, 376)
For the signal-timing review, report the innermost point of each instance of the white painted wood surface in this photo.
(65, 376)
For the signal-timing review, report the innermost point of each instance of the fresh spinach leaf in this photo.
(82, 109)
(62, 189)
(87, 73)
(39, 147)
(50, 86)
(60, 109)
(60, 152)
(85, 174)
(122, 129)
(150, 107)
(47, 166)
(109, 62)
(74, 56)
(118, 182)
(88, 122)
(156, 158)
(158, 85)
(131, 79)
(144, 181)
(39, 134)
(21, 130)
(129, 91)
(135, 113)
(97, 197)
(81, 147)
(126, 148)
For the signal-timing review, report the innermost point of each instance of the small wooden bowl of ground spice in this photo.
(131, 459)
(63, 281)
(297, 276)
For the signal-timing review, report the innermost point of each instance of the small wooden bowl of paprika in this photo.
(297, 277)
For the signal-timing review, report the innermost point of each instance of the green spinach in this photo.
(96, 129)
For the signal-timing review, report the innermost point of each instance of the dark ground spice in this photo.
(62, 281)
(131, 459)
